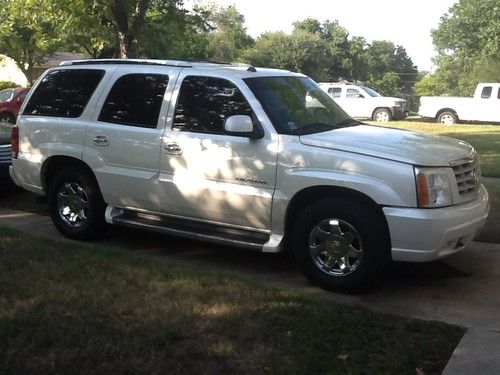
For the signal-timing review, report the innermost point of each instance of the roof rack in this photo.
(176, 63)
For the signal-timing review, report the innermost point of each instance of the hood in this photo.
(393, 144)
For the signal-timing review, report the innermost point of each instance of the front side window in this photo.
(64, 93)
(297, 105)
(353, 93)
(135, 100)
(205, 103)
(486, 93)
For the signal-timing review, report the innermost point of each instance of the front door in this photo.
(208, 174)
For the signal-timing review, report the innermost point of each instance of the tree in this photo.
(302, 51)
(29, 32)
(117, 25)
(468, 37)
(228, 36)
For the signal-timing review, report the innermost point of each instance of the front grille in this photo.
(467, 176)
(5, 154)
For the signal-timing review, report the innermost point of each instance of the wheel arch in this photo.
(391, 111)
(56, 163)
(312, 194)
(442, 110)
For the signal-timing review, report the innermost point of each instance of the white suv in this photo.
(364, 102)
(254, 158)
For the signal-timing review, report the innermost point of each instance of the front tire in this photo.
(341, 244)
(76, 205)
(382, 115)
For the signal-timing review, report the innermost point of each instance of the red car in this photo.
(10, 103)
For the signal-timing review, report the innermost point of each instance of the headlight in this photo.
(433, 187)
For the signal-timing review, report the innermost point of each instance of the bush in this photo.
(7, 85)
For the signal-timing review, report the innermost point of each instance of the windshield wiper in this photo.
(349, 122)
(315, 127)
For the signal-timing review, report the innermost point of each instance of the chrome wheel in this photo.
(335, 247)
(73, 204)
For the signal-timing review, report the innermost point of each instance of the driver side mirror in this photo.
(242, 125)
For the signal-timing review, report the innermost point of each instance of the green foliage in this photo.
(29, 31)
(324, 52)
(7, 85)
(468, 44)
(228, 36)
(302, 51)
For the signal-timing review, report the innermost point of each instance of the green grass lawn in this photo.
(484, 138)
(72, 308)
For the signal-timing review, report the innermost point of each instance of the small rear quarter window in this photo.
(64, 93)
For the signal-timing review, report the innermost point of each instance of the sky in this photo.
(404, 22)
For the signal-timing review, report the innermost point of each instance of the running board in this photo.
(187, 229)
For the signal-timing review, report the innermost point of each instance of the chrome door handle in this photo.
(173, 149)
(101, 140)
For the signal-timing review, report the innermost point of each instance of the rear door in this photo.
(122, 143)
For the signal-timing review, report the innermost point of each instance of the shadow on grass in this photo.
(83, 309)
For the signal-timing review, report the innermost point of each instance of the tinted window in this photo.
(334, 92)
(486, 93)
(298, 105)
(135, 100)
(64, 93)
(205, 103)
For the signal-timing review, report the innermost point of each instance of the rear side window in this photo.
(64, 93)
(334, 92)
(135, 100)
(205, 103)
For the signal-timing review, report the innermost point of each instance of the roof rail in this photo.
(177, 63)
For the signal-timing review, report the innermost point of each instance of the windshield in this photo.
(297, 106)
(371, 92)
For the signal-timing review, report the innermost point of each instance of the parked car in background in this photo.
(363, 102)
(5, 156)
(10, 103)
(484, 106)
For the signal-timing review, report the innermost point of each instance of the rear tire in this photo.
(341, 244)
(447, 118)
(76, 205)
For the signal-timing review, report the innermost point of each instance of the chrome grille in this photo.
(5, 154)
(467, 175)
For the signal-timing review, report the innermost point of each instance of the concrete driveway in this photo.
(463, 289)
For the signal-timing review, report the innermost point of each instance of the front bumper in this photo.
(420, 235)
(399, 113)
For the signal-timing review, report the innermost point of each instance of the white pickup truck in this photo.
(484, 106)
(363, 102)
